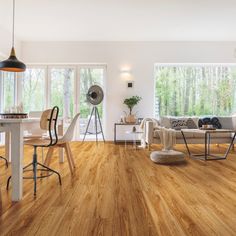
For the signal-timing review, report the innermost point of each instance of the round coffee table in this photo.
(167, 157)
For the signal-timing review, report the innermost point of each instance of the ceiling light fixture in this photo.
(12, 64)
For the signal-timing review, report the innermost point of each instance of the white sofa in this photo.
(151, 135)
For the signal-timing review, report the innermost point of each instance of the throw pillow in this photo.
(210, 121)
(216, 123)
(178, 124)
(191, 124)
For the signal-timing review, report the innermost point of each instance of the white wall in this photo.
(6, 43)
(139, 56)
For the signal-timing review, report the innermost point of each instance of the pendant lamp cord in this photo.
(13, 25)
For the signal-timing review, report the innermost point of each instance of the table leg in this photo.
(8, 146)
(205, 146)
(17, 157)
(61, 155)
(115, 133)
(186, 144)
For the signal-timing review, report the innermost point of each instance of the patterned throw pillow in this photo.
(191, 124)
(178, 124)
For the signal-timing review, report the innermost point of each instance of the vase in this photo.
(130, 119)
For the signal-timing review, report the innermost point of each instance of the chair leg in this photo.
(35, 169)
(46, 167)
(71, 155)
(4, 160)
(68, 158)
(35, 164)
(8, 182)
(49, 156)
(42, 155)
(9, 178)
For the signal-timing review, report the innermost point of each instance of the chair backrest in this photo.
(48, 121)
(35, 114)
(67, 137)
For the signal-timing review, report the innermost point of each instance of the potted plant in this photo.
(130, 103)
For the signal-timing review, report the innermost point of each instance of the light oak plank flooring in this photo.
(118, 191)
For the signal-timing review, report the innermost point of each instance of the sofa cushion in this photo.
(187, 134)
(216, 135)
(226, 122)
(165, 121)
(178, 134)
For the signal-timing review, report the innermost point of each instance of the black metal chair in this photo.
(48, 122)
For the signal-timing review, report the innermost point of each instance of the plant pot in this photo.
(130, 119)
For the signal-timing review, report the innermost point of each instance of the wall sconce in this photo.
(126, 73)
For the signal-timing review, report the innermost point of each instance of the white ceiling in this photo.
(121, 20)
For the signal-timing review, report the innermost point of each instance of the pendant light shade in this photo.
(12, 64)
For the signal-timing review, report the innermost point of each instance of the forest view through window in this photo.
(195, 90)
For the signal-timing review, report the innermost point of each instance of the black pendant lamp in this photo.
(12, 64)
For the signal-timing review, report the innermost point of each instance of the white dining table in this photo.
(14, 143)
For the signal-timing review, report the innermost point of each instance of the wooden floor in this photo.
(118, 191)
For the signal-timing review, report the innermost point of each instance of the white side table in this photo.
(135, 137)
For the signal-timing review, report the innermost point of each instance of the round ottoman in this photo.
(167, 157)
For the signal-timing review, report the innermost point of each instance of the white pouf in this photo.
(167, 157)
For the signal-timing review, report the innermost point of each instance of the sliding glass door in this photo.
(65, 86)
(88, 76)
(33, 91)
(61, 94)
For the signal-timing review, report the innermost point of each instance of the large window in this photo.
(195, 90)
(41, 87)
(33, 89)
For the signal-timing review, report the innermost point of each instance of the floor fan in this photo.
(95, 96)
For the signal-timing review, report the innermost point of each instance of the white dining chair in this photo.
(63, 142)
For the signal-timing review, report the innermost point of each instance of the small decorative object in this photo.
(134, 129)
(140, 120)
(14, 115)
(131, 102)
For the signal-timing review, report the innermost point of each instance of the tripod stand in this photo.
(97, 119)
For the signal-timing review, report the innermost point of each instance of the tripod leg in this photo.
(100, 125)
(88, 124)
(35, 169)
(96, 128)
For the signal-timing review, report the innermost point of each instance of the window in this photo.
(195, 90)
(8, 91)
(62, 91)
(42, 86)
(33, 89)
